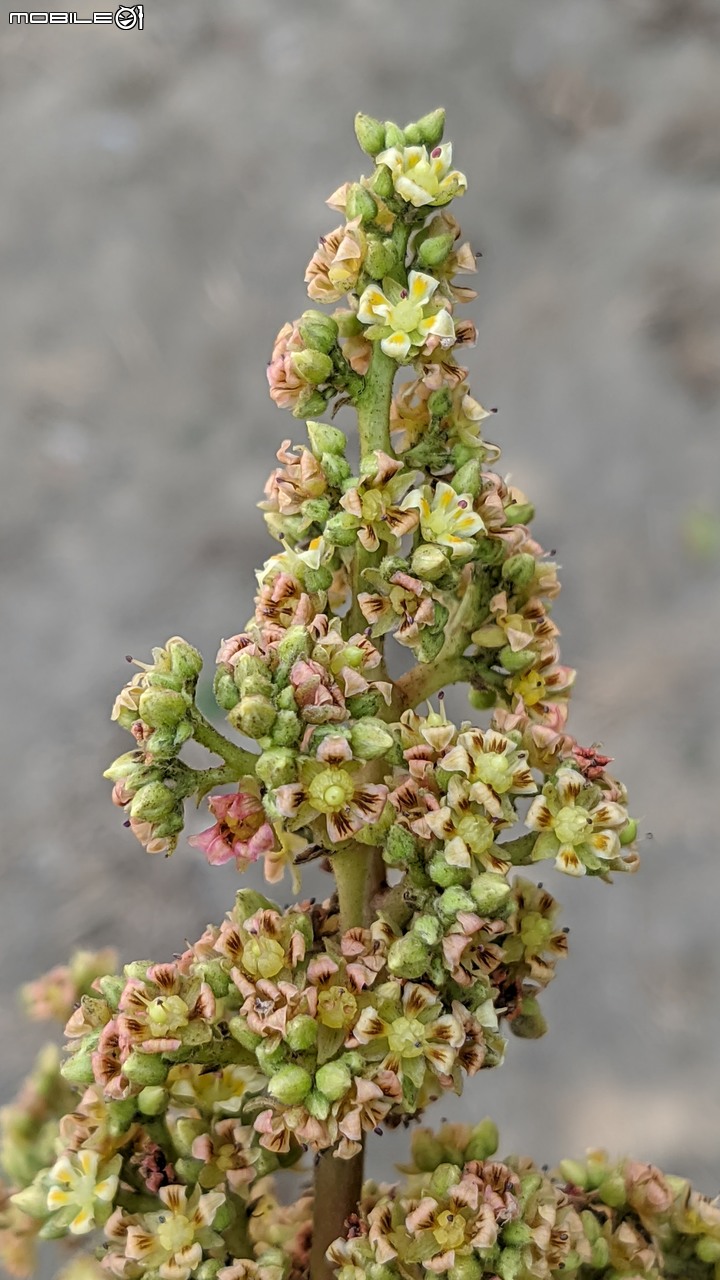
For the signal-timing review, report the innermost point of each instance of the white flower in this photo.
(446, 517)
(405, 318)
(424, 178)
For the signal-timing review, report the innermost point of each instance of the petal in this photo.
(606, 844)
(609, 814)
(457, 761)
(421, 287)
(57, 1198)
(373, 305)
(569, 785)
(82, 1222)
(412, 192)
(106, 1189)
(539, 817)
(289, 799)
(568, 861)
(396, 345)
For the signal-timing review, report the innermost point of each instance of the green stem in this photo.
(427, 678)
(240, 762)
(338, 1185)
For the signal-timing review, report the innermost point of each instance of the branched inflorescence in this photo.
(186, 1085)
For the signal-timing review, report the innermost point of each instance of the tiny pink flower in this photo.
(241, 832)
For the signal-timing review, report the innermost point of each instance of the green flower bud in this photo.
(111, 987)
(309, 403)
(453, 900)
(185, 1131)
(490, 893)
(144, 1068)
(163, 708)
(312, 366)
(210, 1267)
(318, 331)
(468, 479)
(325, 439)
(290, 1085)
(439, 403)
(165, 743)
(612, 1191)
(412, 135)
(429, 562)
(254, 716)
(153, 1100)
(370, 739)
(189, 1169)
(430, 644)
(629, 832)
(394, 136)
(185, 661)
(427, 1150)
(432, 126)
(600, 1255)
(336, 469)
(382, 182)
(510, 1264)
(482, 699)
(408, 956)
(519, 569)
(153, 802)
(286, 729)
(400, 847)
(318, 579)
(519, 513)
(433, 251)
(170, 826)
(370, 133)
(427, 928)
(341, 529)
(364, 704)
(708, 1250)
(124, 767)
(316, 509)
(360, 204)
(443, 1178)
(225, 689)
(529, 1023)
(276, 767)
(516, 660)
(247, 902)
(32, 1200)
(301, 1033)
(484, 1141)
(590, 1225)
(466, 1269)
(516, 1233)
(240, 1031)
(271, 1060)
(445, 875)
(333, 1080)
(380, 257)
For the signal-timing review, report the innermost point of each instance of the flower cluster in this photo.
(186, 1085)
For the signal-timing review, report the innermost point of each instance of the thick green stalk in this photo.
(239, 761)
(427, 678)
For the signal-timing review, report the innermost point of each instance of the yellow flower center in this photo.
(571, 825)
(336, 1007)
(175, 1233)
(530, 687)
(450, 1230)
(405, 316)
(406, 1037)
(494, 770)
(168, 1013)
(476, 832)
(330, 790)
(263, 957)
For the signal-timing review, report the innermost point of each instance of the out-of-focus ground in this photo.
(162, 193)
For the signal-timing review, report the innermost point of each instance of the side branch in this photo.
(427, 678)
(240, 762)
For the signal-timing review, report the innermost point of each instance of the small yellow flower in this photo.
(402, 319)
(447, 517)
(422, 177)
(576, 827)
(78, 1181)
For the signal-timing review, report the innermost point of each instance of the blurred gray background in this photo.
(162, 193)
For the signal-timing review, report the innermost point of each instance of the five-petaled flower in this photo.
(405, 319)
(83, 1187)
(446, 517)
(424, 178)
(241, 832)
(578, 827)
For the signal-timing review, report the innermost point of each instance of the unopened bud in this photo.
(120, 1115)
(31, 1200)
(454, 900)
(408, 957)
(153, 1100)
(144, 1068)
(432, 126)
(78, 1069)
(484, 1141)
(123, 767)
(318, 331)
(310, 402)
(314, 367)
(517, 1234)
(490, 892)
(325, 439)
(364, 704)
(225, 689)
(529, 1023)
(439, 403)
(394, 135)
(254, 716)
(153, 802)
(341, 529)
(428, 929)
(466, 1269)
(286, 729)
(370, 739)
(301, 1033)
(360, 204)
(708, 1249)
(433, 251)
(629, 832)
(600, 1255)
(333, 1080)
(468, 480)
(162, 708)
(519, 513)
(185, 661)
(443, 1178)
(427, 1150)
(290, 1085)
(482, 699)
(429, 562)
(380, 257)
(276, 766)
(370, 133)
(400, 847)
(519, 569)
(382, 182)
(444, 874)
(612, 1191)
(516, 659)
(335, 469)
